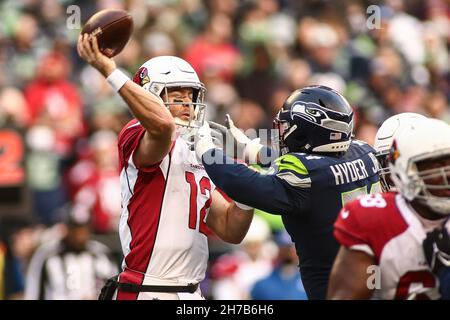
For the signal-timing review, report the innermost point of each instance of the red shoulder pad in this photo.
(369, 222)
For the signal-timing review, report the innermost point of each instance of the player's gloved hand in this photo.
(226, 137)
(247, 149)
(218, 134)
(437, 250)
(203, 141)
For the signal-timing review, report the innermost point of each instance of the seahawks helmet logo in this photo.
(308, 111)
(141, 77)
(314, 113)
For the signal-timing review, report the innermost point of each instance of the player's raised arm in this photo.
(146, 107)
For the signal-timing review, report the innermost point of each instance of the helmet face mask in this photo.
(196, 107)
(434, 186)
(384, 171)
(417, 188)
(281, 130)
(313, 119)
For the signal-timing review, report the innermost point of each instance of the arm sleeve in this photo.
(265, 192)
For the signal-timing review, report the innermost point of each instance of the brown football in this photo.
(112, 28)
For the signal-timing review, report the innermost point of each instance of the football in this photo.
(112, 28)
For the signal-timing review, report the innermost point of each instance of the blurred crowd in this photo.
(59, 120)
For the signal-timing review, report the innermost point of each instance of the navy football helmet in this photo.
(313, 119)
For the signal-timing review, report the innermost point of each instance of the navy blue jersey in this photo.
(330, 182)
(308, 191)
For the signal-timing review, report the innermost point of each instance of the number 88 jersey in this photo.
(164, 207)
(385, 227)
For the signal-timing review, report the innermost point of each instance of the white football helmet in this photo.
(384, 138)
(425, 140)
(161, 73)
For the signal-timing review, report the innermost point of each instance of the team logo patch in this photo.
(308, 111)
(141, 77)
(394, 153)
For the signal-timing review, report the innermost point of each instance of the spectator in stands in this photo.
(284, 283)
(55, 102)
(96, 179)
(245, 267)
(212, 52)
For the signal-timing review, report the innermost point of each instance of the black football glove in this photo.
(437, 250)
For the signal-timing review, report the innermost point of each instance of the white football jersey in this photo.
(162, 227)
(386, 227)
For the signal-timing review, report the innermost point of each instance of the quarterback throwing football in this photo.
(168, 200)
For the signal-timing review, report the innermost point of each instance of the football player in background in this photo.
(384, 236)
(383, 142)
(168, 200)
(319, 170)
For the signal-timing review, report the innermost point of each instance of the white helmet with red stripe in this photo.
(159, 74)
(424, 141)
(384, 138)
